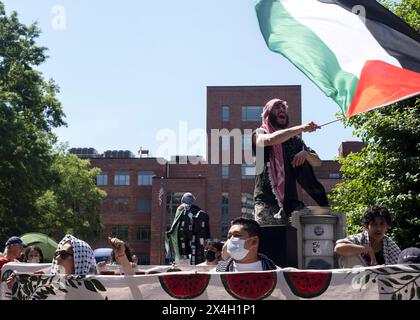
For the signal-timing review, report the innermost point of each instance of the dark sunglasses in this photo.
(62, 253)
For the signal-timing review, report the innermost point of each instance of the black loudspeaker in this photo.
(279, 243)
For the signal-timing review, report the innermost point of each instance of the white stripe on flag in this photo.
(161, 193)
(343, 32)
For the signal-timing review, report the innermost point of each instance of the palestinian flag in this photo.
(358, 52)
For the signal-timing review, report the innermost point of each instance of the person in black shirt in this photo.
(286, 160)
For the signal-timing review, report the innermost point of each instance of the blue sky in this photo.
(129, 68)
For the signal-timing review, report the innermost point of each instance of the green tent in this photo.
(47, 244)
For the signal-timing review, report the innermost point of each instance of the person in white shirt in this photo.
(241, 248)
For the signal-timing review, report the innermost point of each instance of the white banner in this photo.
(367, 283)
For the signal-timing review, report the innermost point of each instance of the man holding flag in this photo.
(286, 160)
(356, 51)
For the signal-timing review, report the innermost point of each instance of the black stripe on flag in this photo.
(393, 34)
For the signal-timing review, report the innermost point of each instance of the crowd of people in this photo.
(286, 160)
(240, 252)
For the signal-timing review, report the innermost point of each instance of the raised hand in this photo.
(310, 127)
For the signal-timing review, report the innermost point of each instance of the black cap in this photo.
(15, 240)
(409, 255)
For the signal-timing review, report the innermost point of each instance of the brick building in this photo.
(223, 188)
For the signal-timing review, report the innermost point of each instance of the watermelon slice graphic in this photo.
(308, 284)
(184, 286)
(249, 286)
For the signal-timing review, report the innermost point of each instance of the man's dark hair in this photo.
(251, 226)
(376, 211)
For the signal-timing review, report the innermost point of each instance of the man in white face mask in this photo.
(241, 248)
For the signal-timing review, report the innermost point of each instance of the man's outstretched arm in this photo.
(282, 135)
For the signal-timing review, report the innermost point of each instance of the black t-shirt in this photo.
(378, 255)
(262, 191)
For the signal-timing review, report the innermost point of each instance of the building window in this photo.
(225, 113)
(247, 205)
(122, 178)
(102, 179)
(143, 233)
(225, 171)
(121, 203)
(145, 178)
(246, 142)
(334, 175)
(120, 231)
(251, 113)
(144, 205)
(173, 200)
(225, 215)
(247, 171)
(144, 258)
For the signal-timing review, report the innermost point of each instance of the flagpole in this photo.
(327, 123)
(162, 222)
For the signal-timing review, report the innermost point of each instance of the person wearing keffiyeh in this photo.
(73, 256)
(286, 160)
(372, 244)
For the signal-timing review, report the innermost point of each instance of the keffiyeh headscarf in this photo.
(276, 169)
(84, 260)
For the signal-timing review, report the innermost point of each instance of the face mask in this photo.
(210, 255)
(235, 248)
(34, 260)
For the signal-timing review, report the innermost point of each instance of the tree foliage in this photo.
(387, 170)
(41, 189)
(29, 110)
(408, 10)
(71, 205)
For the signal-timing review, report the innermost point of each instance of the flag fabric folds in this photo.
(357, 52)
(161, 192)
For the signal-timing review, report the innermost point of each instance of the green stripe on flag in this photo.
(301, 46)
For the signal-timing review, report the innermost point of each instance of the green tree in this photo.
(29, 110)
(71, 205)
(387, 170)
(408, 10)
(42, 188)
